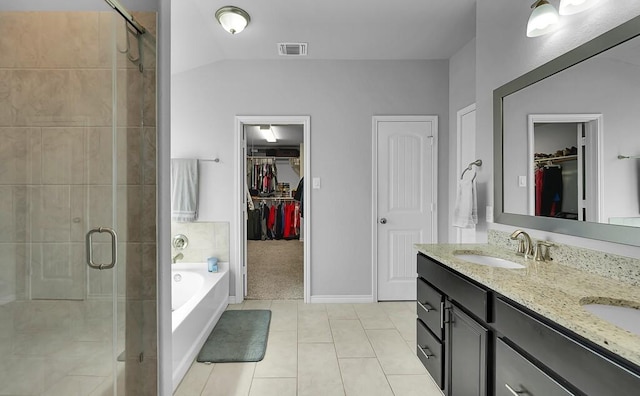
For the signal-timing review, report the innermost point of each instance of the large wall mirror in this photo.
(567, 142)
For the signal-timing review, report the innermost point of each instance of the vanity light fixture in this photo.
(268, 134)
(570, 7)
(233, 19)
(544, 19)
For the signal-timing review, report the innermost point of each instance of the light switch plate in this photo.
(522, 181)
(316, 183)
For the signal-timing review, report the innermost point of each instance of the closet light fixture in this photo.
(544, 19)
(233, 19)
(268, 134)
(570, 7)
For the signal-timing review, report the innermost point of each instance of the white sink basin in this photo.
(488, 261)
(625, 317)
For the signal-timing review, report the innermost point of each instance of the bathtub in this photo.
(198, 298)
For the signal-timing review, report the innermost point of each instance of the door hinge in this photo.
(430, 140)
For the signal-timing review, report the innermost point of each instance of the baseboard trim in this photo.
(342, 299)
(232, 300)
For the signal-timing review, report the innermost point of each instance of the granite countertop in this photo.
(551, 289)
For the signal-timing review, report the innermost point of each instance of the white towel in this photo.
(465, 214)
(184, 190)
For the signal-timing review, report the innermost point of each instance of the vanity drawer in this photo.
(431, 353)
(466, 293)
(429, 307)
(572, 360)
(515, 375)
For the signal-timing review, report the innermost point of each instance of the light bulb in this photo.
(544, 19)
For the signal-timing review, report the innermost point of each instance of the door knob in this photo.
(383, 221)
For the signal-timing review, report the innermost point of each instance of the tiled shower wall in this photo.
(56, 167)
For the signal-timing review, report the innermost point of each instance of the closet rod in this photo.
(274, 198)
(556, 159)
(269, 157)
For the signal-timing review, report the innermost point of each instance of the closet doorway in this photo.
(565, 153)
(273, 231)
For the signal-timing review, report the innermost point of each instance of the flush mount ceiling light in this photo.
(544, 19)
(268, 134)
(570, 7)
(233, 19)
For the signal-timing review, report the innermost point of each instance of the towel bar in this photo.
(477, 162)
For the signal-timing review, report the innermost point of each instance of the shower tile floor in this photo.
(57, 348)
(324, 350)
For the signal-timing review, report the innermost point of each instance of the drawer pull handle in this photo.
(514, 392)
(426, 355)
(425, 306)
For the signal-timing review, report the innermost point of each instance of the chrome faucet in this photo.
(525, 246)
(177, 257)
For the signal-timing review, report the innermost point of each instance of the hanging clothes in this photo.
(551, 202)
(254, 226)
(539, 178)
(262, 176)
(299, 195)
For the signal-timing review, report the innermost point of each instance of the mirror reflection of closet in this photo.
(564, 161)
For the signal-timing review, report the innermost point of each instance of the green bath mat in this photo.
(239, 336)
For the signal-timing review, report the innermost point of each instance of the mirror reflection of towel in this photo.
(465, 214)
(184, 190)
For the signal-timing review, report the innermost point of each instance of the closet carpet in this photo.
(275, 270)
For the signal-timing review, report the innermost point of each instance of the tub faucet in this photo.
(525, 246)
(177, 257)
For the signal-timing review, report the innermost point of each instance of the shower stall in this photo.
(78, 202)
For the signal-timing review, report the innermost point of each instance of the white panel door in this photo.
(406, 199)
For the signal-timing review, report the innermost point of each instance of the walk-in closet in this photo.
(558, 166)
(275, 211)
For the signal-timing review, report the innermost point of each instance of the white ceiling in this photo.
(334, 29)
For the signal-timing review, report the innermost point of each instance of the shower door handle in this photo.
(114, 248)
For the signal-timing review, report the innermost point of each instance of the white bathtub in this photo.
(198, 298)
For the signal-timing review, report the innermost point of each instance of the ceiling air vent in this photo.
(292, 49)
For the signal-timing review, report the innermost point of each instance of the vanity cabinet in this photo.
(516, 375)
(577, 364)
(453, 337)
(467, 351)
(474, 341)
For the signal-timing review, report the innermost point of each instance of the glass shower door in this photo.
(77, 161)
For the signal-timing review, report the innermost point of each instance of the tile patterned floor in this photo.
(324, 350)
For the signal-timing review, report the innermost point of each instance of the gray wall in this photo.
(341, 97)
(462, 93)
(504, 53)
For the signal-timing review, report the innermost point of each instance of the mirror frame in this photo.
(599, 231)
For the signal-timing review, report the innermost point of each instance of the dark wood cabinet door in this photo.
(468, 347)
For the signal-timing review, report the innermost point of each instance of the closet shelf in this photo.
(556, 159)
(270, 157)
(273, 198)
